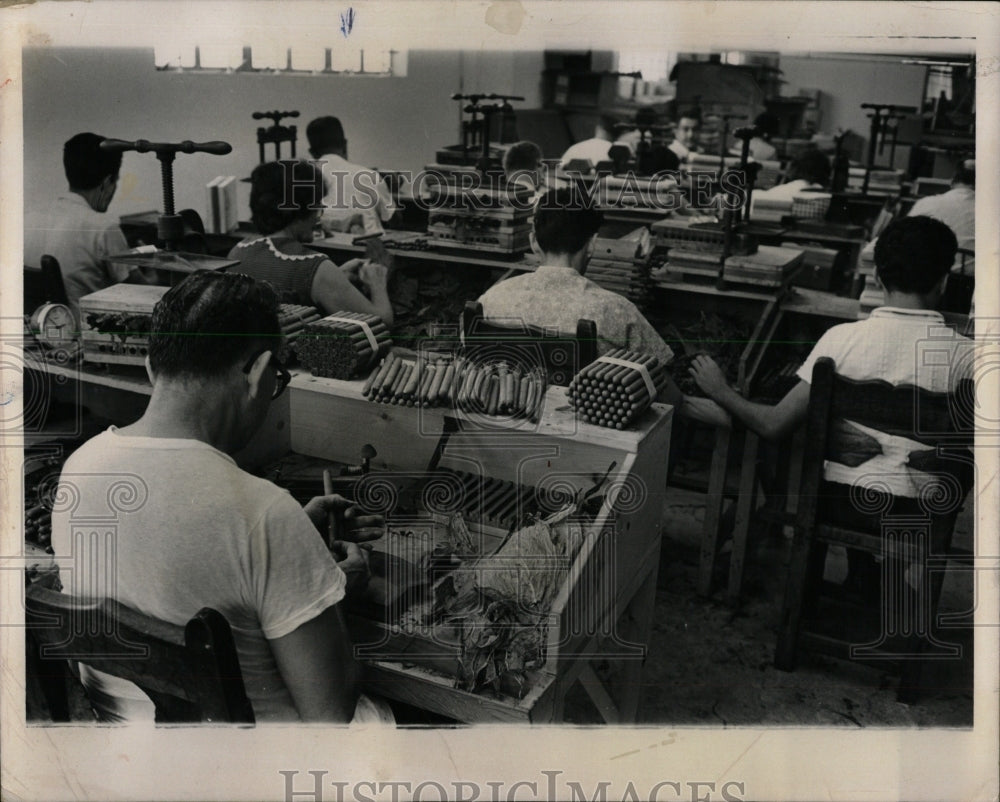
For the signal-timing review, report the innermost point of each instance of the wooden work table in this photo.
(608, 596)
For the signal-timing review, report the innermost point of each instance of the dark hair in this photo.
(86, 165)
(325, 134)
(283, 192)
(692, 113)
(565, 220)
(914, 253)
(210, 322)
(767, 124)
(966, 173)
(811, 166)
(522, 156)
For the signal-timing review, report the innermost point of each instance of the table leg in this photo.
(713, 510)
(744, 508)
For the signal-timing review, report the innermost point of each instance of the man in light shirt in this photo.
(686, 134)
(351, 188)
(193, 530)
(956, 208)
(78, 232)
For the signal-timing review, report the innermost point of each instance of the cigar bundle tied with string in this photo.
(343, 344)
(617, 388)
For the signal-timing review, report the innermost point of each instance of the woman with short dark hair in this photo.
(286, 201)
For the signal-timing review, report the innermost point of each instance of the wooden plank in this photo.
(713, 510)
(744, 509)
(599, 695)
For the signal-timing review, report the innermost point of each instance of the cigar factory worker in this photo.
(761, 148)
(913, 258)
(523, 167)
(598, 148)
(557, 295)
(285, 206)
(810, 170)
(956, 208)
(686, 134)
(77, 231)
(199, 531)
(351, 188)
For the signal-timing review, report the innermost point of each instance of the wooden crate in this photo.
(614, 569)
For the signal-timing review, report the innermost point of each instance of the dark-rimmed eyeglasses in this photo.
(282, 376)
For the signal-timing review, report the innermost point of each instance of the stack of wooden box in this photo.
(622, 265)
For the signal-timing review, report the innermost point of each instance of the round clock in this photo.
(54, 325)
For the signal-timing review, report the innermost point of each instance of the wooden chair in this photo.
(191, 672)
(562, 355)
(903, 531)
(52, 281)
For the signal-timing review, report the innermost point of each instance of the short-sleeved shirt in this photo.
(174, 525)
(352, 188)
(898, 346)
(956, 208)
(283, 262)
(559, 297)
(81, 240)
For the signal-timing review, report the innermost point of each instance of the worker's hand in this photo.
(373, 274)
(352, 269)
(354, 526)
(347, 224)
(376, 251)
(709, 376)
(353, 561)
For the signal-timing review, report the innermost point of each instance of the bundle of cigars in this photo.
(490, 388)
(342, 345)
(617, 388)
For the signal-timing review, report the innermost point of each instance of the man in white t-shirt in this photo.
(77, 231)
(181, 527)
(351, 188)
(956, 208)
(903, 342)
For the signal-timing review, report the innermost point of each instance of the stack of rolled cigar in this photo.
(613, 395)
(337, 346)
(38, 525)
(293, 318)
(493, 389)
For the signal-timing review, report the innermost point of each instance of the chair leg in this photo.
(795, 596)
(744, 509)
(714, 501)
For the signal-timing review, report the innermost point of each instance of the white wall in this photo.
(393, 123)
(847, 83)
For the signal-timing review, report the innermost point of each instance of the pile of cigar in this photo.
(490, 388)
(339, 348)
(613, 395)
(293, 318)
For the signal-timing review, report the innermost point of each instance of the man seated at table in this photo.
(351, 188)
(78, 233)
(197, 531)
(809, 171)
(523, 167)
(557, 295)
(597, 149)
(686, 134)
(897, 344)
(956, 208)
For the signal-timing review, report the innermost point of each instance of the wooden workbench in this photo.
(604, 610)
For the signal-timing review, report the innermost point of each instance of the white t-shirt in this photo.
(81, 239)
(352, 188)
(956, 208)
(593, 150)
(898, 346)
(176, 526)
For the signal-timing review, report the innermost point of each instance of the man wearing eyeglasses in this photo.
(197, 531)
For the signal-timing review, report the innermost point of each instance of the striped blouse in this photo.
(284, 262)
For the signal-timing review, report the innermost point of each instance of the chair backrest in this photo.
(562, 355)
(191, 673)
(52, 281)
(943, 422)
